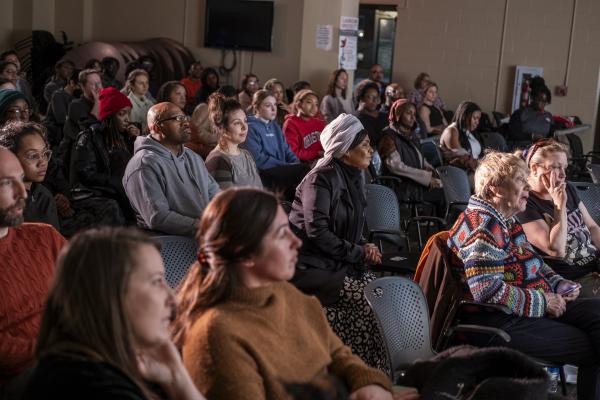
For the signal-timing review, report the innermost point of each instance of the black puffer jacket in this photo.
(328, 219)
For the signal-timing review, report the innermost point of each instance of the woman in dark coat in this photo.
(328, 215)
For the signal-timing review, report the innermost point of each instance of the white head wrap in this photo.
(337, 137)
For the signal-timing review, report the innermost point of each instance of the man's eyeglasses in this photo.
(35, 158)
(179, 118)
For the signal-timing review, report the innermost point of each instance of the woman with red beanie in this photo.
(303, 127)
(101, 153)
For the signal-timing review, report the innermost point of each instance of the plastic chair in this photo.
(595, 172)
(178, 254)
(493, 140)
(589, 193)
(456, 186)
(431, 152)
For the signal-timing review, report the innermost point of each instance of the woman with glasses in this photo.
(14, 106)
(137, 86)
(556, 222)
(368, 99)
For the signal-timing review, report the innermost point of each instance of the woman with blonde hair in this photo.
(136, 87)
(498, 265)
(556, 222)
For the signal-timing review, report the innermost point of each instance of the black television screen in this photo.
(239, 24)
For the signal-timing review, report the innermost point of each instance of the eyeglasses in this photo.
(19, 111)
(35, 158)
(179, 118)
(373, 98)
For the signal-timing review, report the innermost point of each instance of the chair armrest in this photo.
(373, 232)
(480, 329)
(383, 178)
(485, 306)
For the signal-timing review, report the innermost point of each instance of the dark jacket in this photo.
(40, 206)
(324, 216)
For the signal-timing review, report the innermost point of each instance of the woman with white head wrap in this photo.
(328, 215)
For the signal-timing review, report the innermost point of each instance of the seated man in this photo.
(28, 253)
(167, 184)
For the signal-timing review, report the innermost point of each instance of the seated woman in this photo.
(118, 347)
(416, 94)
(556, 222)
(459, 146)
(249, 87)
(499, 266)
(242, 329)
(14, 106)
(276, 87)
(374, 121)
(172, 92)
(336, 101)
(136, 87)
(303, 128)
(100, 155)
(279, 167)
(533, 121)
(401, 155)
(210, 84)
(431, 115)
(328, 215)
(227, 163)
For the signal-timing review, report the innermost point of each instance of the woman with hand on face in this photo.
(498, 265)
(431, 115)
(137, 86)
(328, 215)
(303, 128)
(556, 222)
(243, 330)
(105, 329)
(227, 163)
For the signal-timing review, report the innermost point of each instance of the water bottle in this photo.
(553, 374)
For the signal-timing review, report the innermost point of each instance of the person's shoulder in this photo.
(39, 231)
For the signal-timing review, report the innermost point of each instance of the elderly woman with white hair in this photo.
(500, 266)
(328, 215)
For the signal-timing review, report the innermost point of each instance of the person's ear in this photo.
(495, 191)
(248, 263)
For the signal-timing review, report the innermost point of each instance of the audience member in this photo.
(167, 184)
(500, 266)
(300, 85)
(137, 87)
(227, 163)
(400, 152)
(276, 87)
(204, 135)
(209, 79)
(10, 71)
(63, 70)
(148, 64)
(172, 92)
(303, 128)
(82, 114)
(7, 84)
(374, 121)
(192, 84)
(118, 347)
(532, 122)
(28, 253)
(328, 215)
(110, 68)
(249, 87)
(279, 167)
(93, 63)
(556, 222)
(247, 253)
(431, 115)
(335, 101)
(376, 75)
(416, 96)
(459, 145)
(21, 84)
(393, 92)
(58, 107)
(14, 106)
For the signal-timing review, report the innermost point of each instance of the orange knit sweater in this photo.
(27, 257)
(260, 338)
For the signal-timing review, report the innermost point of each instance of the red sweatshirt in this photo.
(303, 136)
(28, 254)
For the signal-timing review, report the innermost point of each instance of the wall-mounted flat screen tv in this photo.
(239, 24)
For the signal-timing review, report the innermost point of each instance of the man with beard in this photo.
(167, 184)
(28, 252)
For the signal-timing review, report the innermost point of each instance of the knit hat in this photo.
(9, 96)
(112, 101)
(337, 137)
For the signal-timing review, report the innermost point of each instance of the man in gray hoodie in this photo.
(167, 184)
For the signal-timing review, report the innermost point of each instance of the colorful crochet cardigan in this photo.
(499, 264)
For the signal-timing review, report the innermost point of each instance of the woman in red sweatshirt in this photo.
(303, 127)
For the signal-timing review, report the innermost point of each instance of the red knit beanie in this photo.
(111, 101)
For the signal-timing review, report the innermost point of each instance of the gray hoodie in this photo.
(168, 193)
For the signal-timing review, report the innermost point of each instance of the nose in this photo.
(296, 242)
(20, 191)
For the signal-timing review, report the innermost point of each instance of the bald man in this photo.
(167, 184)
(28, 252)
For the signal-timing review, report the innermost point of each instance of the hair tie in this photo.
(202, 257)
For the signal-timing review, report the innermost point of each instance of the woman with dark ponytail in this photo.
(227, 163)
(458, 143)
(243, 331)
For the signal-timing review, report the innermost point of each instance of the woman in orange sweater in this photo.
(243, 331)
